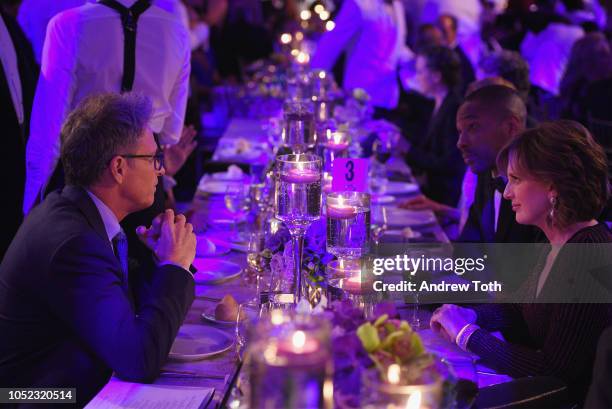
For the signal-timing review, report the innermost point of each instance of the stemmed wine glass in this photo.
(382, 149)
(298, 203)
(379, 224)
(237, 202)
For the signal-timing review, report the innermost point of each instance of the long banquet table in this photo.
(216, 372)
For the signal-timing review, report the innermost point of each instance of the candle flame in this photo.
(324, 15)
(298, 339)
(393, 374)
(414, 401)
(276, 317)
(302, 57)
(337, 136)
(305, 15)
(286, 38)
(319, 8)
(330, 25)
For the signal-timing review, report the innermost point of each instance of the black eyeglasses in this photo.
(158, 159)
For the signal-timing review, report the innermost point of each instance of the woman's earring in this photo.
(553, 203)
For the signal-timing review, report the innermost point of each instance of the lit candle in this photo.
(302, 58)
(298, 344)
(286, 38)
(300, 176)
(337, 142)
(352, 284)
(341, 211)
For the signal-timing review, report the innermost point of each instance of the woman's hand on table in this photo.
(449, 319)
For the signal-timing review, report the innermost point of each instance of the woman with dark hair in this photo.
(436, 157)
(590, 61)
(557, 181)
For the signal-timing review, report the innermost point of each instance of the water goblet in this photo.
(298, 203)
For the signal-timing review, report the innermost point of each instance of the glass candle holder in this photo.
(322, 83)
(290, 363)
(298, 203)
(331, 144)
(348, 224)
(298, 130)
(419, 384)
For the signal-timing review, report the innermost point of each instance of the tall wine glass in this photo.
(379, 224)
(382, 149)
(298, 131)
(298, 203)
(237, 202)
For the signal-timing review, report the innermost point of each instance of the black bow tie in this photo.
(499, 184)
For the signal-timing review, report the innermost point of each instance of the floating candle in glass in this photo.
(348, 223)
(290, 363)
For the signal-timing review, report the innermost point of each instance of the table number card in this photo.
(350, 174)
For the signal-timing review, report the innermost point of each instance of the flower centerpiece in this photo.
(277, 255)
(384, 359)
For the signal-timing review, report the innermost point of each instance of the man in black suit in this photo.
(68, 315)
(436, 158)
(448, 26)
(489, 118)
(18, 77)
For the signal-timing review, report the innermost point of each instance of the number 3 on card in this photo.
(349, 174)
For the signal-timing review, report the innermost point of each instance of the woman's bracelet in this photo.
(463, 336)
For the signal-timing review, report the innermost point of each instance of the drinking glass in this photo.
(298, 203)
(348, 224)
(237, 202)
(298, 132)
(382, 150)
(247, 316)
(377, 178)
(379, 224)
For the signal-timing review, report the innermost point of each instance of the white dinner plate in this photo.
(214, 270)
(397, 217)
(401, 188)
(194, 342)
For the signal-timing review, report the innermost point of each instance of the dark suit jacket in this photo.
(437, 155)
(467, 71)
(508, 230)
(600, 393)
(65, 319)
(13, 135)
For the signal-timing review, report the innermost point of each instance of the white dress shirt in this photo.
(34, 15)
(82, 56)
(547, 53)
(111, 224)
(8, 59)
(373, 34)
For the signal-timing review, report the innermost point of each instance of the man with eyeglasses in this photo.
(70, 312)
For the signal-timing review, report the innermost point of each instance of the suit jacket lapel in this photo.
(504, 220)
(81, 199)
